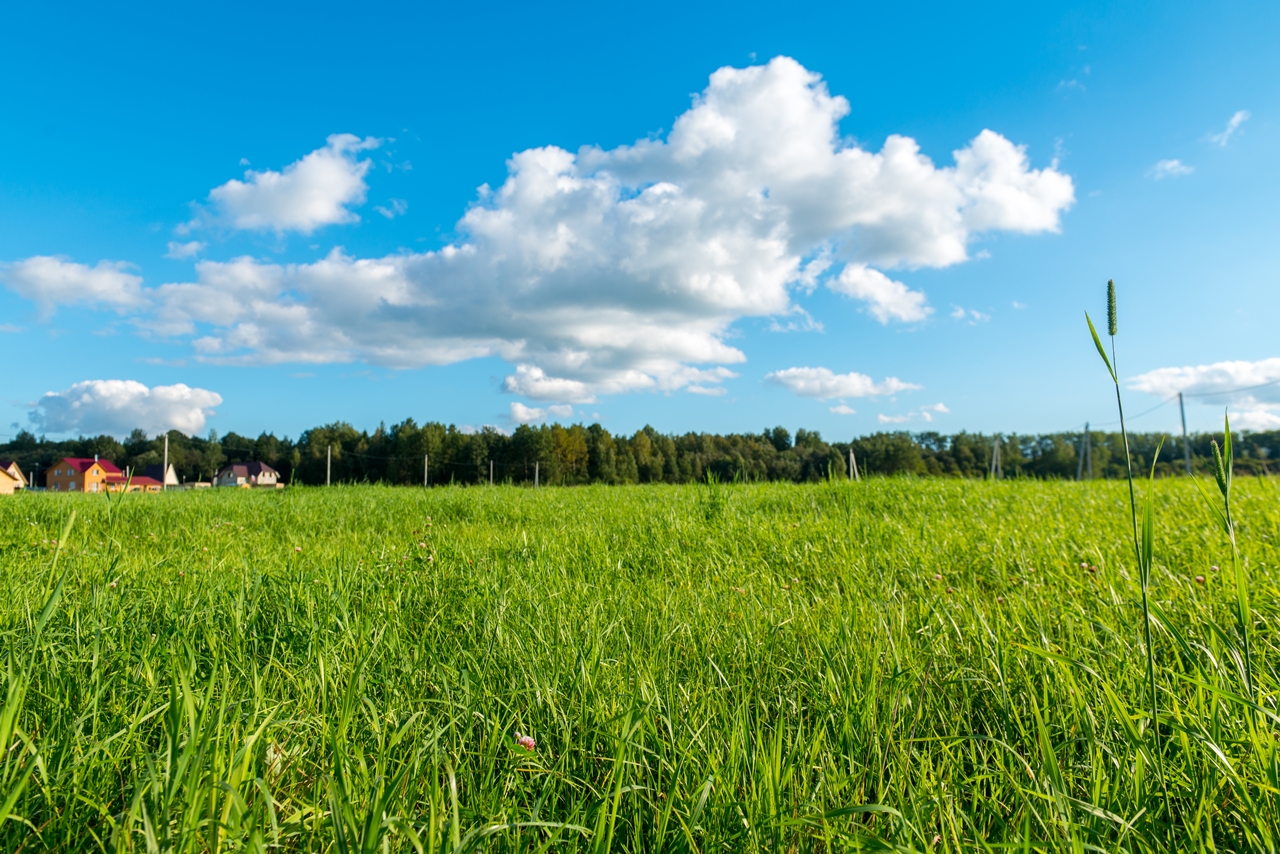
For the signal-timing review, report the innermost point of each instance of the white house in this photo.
(248, 475)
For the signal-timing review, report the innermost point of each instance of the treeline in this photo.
(591, 454)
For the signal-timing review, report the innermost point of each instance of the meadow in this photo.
(897, 664)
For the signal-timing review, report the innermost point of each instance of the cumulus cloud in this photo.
(843, 409)
(1233, 125)
(1251, 389)
(52, 281)
(119, 406)
(1169, 169)
(825, 384)
(521, 414)
(892, 419)
(886, 299)
(609, 270)
(309, 193)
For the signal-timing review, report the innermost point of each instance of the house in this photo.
(14, 478)
(80, 474)
(157, 472)
(126, 482)
(248, 475)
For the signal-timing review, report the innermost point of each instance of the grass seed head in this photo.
(1111, 307)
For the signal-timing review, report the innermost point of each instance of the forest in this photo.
(579, 454)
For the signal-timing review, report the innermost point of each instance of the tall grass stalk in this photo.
(1142, 555)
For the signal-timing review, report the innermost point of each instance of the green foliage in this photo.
(579, 454)
(713, 667)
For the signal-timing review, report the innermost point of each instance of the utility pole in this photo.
(535, 474)
(328, 463)
(997, 470)
(426, 459)
(853, 467)
(1080, 462)
(1088, 453)
(491, 472)
(164, 472)
(1186, 443)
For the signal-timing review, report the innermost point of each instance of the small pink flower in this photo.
(1093, 570)
(205, 549)
(422, 545)
(951, 590)
(1084, 566)
(111, 584)
(1199, 579)
(181, 574)
(937, 576)
(525, 741)
(1214, 568)
(297, 548)
(999, 600)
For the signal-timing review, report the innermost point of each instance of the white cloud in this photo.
(971, 314)
(396, 208)
(824, 384)
(1251, 389)
(119, 406)
(531, 381)
(886, 299)
(184, 250)
(1233, 125)
(1018, 305)
(892, 419)
(620, 269)
(843, 409)
(522, 414)
(563, 410)
(309, 193)
(10, 328)
(50, 281)
(927, 412)
(1169, 169)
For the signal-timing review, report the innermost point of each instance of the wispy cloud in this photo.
(393, 208)
(1233, 125)
(181, 251)
(825, 384)
(1169, 169)
(842, 409)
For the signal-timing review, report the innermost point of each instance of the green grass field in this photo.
(904, 664)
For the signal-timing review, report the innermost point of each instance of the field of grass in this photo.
(903, 664)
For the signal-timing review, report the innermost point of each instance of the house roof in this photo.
(83, 464)
(250, 469)
(156, 470)
(13, 470)
(136, 480)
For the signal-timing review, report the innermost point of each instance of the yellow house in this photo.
(11, 477)
(80, 474)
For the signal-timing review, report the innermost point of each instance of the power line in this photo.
(1229, 390)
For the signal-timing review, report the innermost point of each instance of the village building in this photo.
(80, 474)
(11, 477)
(248, 475)
(157, 472)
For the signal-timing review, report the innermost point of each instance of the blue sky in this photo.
(247, 219)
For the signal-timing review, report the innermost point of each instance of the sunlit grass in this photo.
(701, 668)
